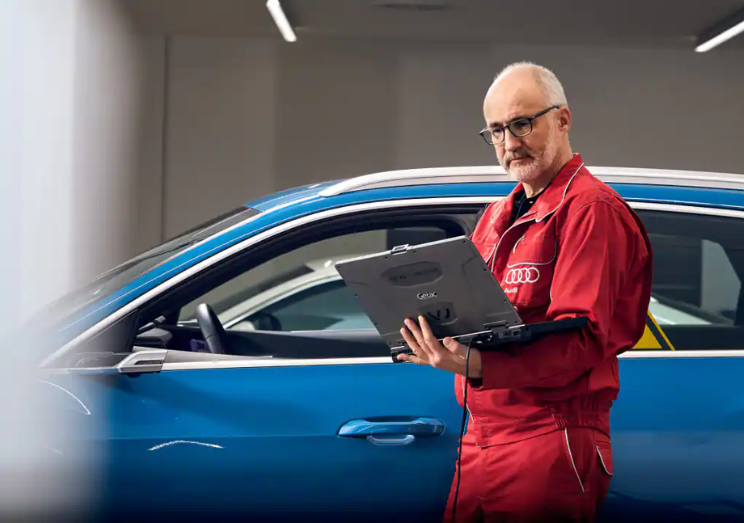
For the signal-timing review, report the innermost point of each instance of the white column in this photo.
(69, 105)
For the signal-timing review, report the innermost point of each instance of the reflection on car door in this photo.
(677, 429)
(678, 424)
(265, 439)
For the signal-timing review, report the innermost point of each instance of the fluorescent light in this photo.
(721, 32)
(720, 38)
(277, 13)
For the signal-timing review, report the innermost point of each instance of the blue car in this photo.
(230, 372)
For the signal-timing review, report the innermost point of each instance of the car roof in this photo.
(457, 175)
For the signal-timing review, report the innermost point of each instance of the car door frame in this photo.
(150, 298)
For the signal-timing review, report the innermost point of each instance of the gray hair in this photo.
(547, 79)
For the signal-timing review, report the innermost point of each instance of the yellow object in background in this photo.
(653, 337)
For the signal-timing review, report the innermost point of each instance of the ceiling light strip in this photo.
(277, 13)
(720, 33)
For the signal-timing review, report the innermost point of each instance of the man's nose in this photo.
(511, 142)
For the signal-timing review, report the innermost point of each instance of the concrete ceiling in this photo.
(662, 23)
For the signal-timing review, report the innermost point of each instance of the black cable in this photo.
(462, 427)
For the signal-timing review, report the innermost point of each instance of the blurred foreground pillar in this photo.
(70, 107)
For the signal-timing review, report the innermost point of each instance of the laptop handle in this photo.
(495, 335)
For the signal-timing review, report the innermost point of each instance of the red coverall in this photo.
(538, 441)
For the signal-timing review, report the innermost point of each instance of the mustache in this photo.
(517, 156)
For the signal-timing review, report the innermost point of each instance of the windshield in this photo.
(120, 276)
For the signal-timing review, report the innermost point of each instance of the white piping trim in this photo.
(555, 253)
(152, 293)
(601, 459)
(518, 223)
(573, 463)
(514, 249)
(565, 191)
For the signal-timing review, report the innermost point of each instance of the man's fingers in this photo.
(427, 332)
(409, 338)
(410, 358)
(416, 345)
(416, 337)
(414, 329)
(454, 347)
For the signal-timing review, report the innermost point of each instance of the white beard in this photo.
(532, 169)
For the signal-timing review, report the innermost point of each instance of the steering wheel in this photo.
(211, 328)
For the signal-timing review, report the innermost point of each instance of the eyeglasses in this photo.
(520, 128)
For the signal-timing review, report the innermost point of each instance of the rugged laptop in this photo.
(448, 283)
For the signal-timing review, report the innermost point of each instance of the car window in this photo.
(697, 278)
(123, 274)
(328, 305)
(301, 289)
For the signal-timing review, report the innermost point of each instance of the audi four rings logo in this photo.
(526, 275)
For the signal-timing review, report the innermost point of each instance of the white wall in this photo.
(107, 110)
(220, 139)
(663, 108)
(147, 212)
(247, 117)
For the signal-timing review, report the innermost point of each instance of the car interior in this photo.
(156, 325)
(698, 269)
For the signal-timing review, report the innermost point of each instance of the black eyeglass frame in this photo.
(528, 119)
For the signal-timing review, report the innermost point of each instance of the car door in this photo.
(357, 439)
(328, 428)
(678, 424)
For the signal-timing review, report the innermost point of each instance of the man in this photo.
(563, 244)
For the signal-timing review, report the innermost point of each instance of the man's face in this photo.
(519, 96)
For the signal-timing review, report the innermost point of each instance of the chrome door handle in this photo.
(418, 427)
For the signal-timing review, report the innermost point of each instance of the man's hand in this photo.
(427, 350)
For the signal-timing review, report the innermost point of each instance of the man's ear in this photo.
(564, 119)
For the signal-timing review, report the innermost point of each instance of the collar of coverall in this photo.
(552, 196)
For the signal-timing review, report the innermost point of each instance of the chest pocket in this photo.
(528, 275)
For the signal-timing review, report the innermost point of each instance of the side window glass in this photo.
(697, 282)
(301, 289)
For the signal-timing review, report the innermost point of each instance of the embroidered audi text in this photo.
(524, 275)
(426, 295)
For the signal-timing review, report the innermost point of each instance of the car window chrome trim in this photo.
(686, 209)
(702, 353)
(249, 363)
(332, 213)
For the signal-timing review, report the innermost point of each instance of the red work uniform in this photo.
(537, 446)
